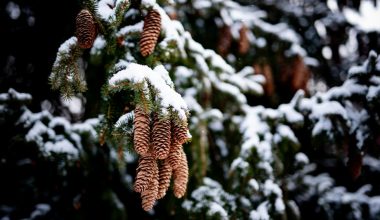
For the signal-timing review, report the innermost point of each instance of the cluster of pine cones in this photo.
(159, 144)
(86, 31)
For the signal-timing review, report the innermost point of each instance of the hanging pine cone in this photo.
(161, 137)
(165, 174)
(243, 40)
(146, 169)
(86, 30)
(174, 157)
(265, 70)
(224, 41)
(149, 196)
(141, 138)
(151, 32)
(181, 176)
(179, 133)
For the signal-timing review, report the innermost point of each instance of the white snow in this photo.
(14, 95)
(367, 18)
(321, 28)
(74, 104)
(160, 69)
(124, 119)
(36, 132)
(253, 183)
(285, 132)
(374, 206)
(41, 209)
(13, 10)
(270, 187)
(65, 47)
(86, 127)
(291, 115)
(261, 213)
(141, 74)
(63, 146)
(240, 164)
(327, 52)
(131, 29)
(106, 9)
(148, 3)
(279, 205)
(323, 124)
(60, 121)
(215, 208)
(373, 93)
(98, 45)
(301, 158)
(328, 108)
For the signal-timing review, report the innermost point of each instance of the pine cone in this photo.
(146, 169)
(149, 196)
(179, 133)
(266, 71)
(86, 30)
(301, 74)
(165, 174)
(161, 137)
(225, 40)
(174, 157)
(181, 176)
(151, 32)
(141, 138)
(243, 40)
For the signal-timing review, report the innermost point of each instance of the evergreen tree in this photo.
(200, 109)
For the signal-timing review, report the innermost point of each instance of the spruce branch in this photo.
(66, 74)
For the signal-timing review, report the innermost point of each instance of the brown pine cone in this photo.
(161, 137)
(141, 137)
(165, 174)
(151, 32)
(86, 30)
(146, 169)
(224, 41)
(243, 40)
(179, 133)
(149, 196)
(181, 176)
(174, 157)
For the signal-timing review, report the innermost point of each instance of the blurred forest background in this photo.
(284, 101)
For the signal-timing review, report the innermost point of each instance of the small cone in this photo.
(151, 32)
(225, 40)
(301, 74)
(86, 30)
(141, 137)
(149, 196)
(146, 169)
(181, 176)
(161, 137)
(266, 71)
(165, 174)
(243, 40)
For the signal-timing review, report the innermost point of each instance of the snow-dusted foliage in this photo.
(256, 176)
(54, 136)
(52, 156)
(215, 65)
